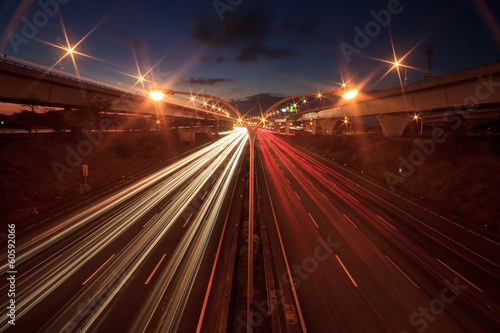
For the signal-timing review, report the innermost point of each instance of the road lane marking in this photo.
(345, 269)
(451, 269)
(352, 197)
(288, 181)
(292, 286)
(297, 195)
(325, 196)
(393, 227)
(348, 219)
(473, 232)
(399, 209)
(90, 277)
(154, 270)
(491, 240)
(203, 197)
(150, 220)
(392, 262)
(31, 226)
(313, 220)
(458, 225)
(216, 260)
(189, 218)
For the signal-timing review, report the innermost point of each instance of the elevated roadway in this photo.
(474, 92)
(24, 84)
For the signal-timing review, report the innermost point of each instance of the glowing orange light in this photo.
(350, 94)
(156, 95)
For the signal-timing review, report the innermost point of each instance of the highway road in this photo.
(363, 259)
(137, 260)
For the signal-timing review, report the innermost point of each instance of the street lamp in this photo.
(350, 94)
(156, 95)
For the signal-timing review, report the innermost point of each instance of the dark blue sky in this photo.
(260, 47)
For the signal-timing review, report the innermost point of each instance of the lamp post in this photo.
(158, 94)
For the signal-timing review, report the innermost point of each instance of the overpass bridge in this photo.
(23, 84)
(472, 93)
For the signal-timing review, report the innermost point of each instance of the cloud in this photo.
(207, 82)
(300, 30)
(254, 103)
(255, 52)
(248, 25)
(128, 41)
(209, 58)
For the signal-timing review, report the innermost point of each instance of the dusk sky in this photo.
(252, 47)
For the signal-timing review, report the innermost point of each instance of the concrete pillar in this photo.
(287, 127)
(313, 127)
(327, 125)
(393, 125)
(216, 127)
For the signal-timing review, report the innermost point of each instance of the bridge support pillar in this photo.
(287, 128)
(393, 125)
(313, 127)
(216, 127)
(327, 125)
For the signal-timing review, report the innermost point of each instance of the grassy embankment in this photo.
(461, 176)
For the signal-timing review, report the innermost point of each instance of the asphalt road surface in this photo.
(135, 259)
(363, 259)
